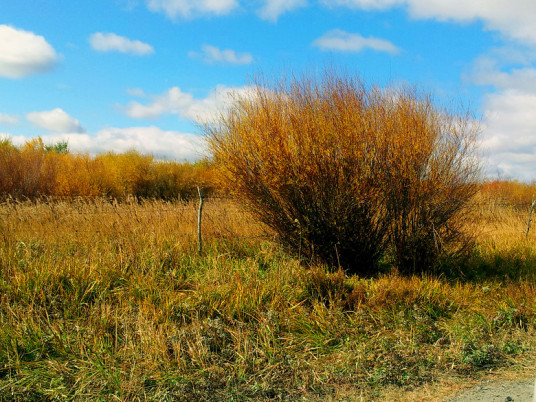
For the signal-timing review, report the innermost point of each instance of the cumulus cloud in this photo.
(110, 42)
(272, 9)
(183, 104)
(494, 69)
(514, 18)
(174, 101)
(24, 53)
(211, 54)
(152, 140)
(8, 119)
(55, 120)
(342, 41)
(17, 140)
(175, 9)
(509, 121)
(509, 136)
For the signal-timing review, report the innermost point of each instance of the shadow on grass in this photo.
(510, 265)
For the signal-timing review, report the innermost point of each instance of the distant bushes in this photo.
(36, 170)
(349, 174)
(509, 192)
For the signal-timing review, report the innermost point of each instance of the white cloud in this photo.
(509, 136)
(489, 70)
(146, 140)
(136, 92)
(523, 79)
(128, 5)
(272, 9)
(8, 119)
(363, 4)
(183, 104)
(175, 9)
(55, 120)
(24, 53)
(509, 122)
(211, 54)
(513, 18)
(174, 101)
(110, 42)
(17, 140)
(339, 40)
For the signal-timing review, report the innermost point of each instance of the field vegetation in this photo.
(105, 300)
(36, 169)
(351, 263)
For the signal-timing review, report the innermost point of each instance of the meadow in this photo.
(105, 300)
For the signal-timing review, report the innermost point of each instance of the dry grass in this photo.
(85, 220)
(102, 300)
(503, 226)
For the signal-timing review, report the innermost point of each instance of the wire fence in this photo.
(217, 212)
(102, 205)
(141, 205)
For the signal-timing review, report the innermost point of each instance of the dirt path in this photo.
(498, 391)
(515, 383)
(512, 384)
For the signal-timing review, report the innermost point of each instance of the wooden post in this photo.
(199, 214)
(530, 215)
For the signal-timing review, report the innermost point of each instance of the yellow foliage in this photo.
(35, 170)
(510, 192)
(344, 172)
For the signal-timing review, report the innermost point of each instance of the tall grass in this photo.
(102, 300)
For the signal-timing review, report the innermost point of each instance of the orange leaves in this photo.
(364, 167)
(509, 192)
(35, 170)
(74, 176)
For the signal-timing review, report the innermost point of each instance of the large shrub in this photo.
(347, 173)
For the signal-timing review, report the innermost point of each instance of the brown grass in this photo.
(103, 300)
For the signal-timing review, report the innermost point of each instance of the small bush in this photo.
(347, 173)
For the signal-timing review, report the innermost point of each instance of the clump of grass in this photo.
(102, 300)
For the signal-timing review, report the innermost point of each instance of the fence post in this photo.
(199, 214)
(530, 215)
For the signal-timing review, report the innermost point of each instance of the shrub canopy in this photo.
(348, 173)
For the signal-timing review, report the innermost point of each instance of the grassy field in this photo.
(100, 300)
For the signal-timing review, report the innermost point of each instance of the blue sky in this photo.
(113, 75)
